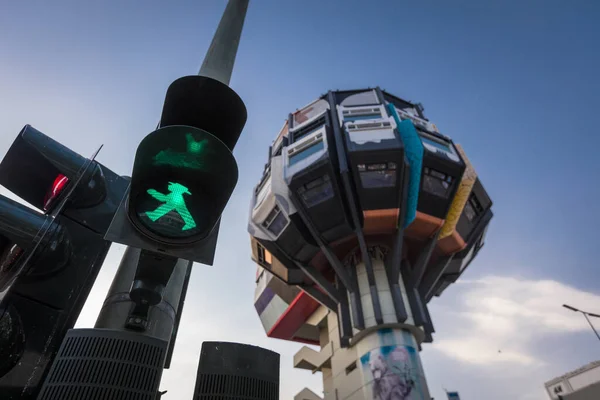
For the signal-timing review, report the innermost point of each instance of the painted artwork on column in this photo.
(393, 372)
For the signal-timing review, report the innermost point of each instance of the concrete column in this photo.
(389, 361)
(383, 360)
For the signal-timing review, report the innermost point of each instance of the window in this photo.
(361, 132)
(361, 113)
(351, 117)
(377, 175)
(350, 368)
(307, 152)
(473, 208)
(275, 221)
(437, 183)
(370, 125)
(558, 389)
(264, 257)
(436, 142)
(316, 192)
(308, 129)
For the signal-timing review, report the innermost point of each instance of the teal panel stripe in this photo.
(413, 148)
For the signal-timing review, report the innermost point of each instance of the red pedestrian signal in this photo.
(58, 185)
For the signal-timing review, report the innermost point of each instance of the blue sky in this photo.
(515, 82)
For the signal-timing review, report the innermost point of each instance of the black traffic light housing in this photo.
(48, 261)
(184, 173)
(36, 164)
(42, 304)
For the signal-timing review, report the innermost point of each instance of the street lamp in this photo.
(585, 314)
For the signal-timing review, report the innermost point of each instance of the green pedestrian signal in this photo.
(184, 173)
(173, 201)
(193, 146)
(182, 179)
(191, 158)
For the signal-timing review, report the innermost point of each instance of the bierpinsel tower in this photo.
(363, 214)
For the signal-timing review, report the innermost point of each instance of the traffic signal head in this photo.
(49, 260)
(184, 172)
(182, 180)
(45, 168)
(41, 171)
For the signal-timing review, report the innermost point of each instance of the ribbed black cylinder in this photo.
(103, 364)
(237, 371)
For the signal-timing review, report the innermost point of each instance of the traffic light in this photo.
(42, 172)
(184, 173)
(49, 259)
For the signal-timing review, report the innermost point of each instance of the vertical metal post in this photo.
(220, 57)
(118, 305)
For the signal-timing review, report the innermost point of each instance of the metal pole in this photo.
(220, 57)
(585, 314)
(590, 322)
(118, 305)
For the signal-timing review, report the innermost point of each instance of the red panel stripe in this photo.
(294, 317)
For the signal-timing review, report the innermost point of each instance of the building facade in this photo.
(364, 213)
(580, 384)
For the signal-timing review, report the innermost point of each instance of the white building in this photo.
(580, 384)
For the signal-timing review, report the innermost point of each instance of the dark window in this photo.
(473, 208)
(275, 221)
(558, 389)
(437, 183)
(350, 368)
(317, 191)
(377, 175)
(305, 153)
(308, 129)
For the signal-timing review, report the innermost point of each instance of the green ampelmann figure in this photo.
(173, 201)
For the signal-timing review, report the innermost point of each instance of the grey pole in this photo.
(590, 322)
(585, 314)
(220, 57)
(118, 305)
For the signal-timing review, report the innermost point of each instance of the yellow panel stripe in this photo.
(461, 196)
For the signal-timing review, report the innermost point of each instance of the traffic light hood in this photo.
(207, 104)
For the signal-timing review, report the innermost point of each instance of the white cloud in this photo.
(497, 319)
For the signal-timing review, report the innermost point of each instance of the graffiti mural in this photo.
(393, 372)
